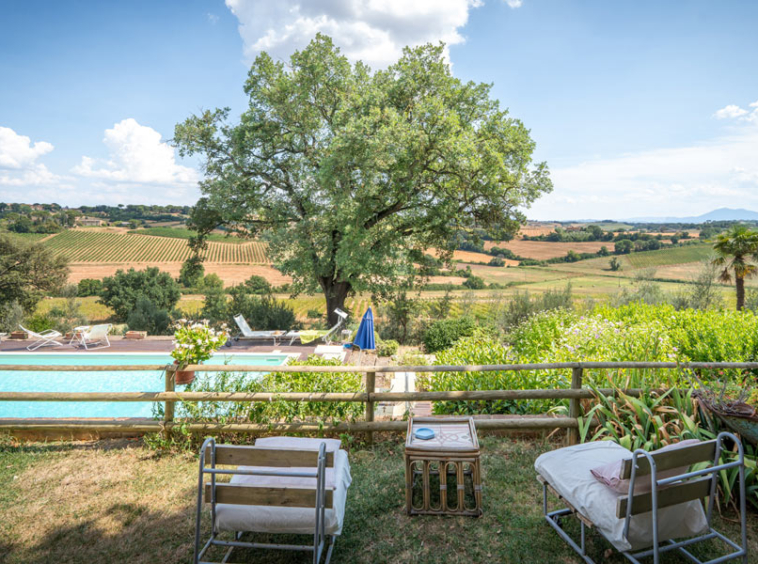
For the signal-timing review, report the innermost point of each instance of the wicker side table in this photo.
(443, 475)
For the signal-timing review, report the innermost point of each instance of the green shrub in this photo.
(122, 291)
(387, 348)
(258, 285)
(483, 349)
(11, 315)
(261, 312)
(442, 334)
(89, 287)
(276, 382)
(39, 322)
(192, 272)
(474, 282)
(496, 261)
(147, 317)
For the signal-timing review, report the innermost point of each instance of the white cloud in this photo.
(374, 31)
(514, 3)
(679, 181)
(213, 18)
(137, 155)
(18, 163)
(17, 151)
(730, 111)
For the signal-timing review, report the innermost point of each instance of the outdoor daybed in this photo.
(661, 499)
(282, 485)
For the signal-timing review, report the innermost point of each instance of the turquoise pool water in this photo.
(132, 381)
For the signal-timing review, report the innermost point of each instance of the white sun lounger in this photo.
(660, 512)
(326, 337)
(248, 334)
(45, 339)
(95, 336)
(282, 485)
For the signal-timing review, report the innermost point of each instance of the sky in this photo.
(639, 107)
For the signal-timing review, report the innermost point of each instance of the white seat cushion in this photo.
(294, 520)
(568, 471)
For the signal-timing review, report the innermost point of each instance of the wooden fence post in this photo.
(168, 410)
(370, 389)
(575, 403)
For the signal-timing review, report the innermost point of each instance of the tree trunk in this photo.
(335, 294)
(740, 283)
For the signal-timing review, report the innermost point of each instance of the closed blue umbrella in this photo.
(364, 338)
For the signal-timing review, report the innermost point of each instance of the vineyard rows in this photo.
(84, 246)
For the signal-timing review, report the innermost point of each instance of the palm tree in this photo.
(734, 249)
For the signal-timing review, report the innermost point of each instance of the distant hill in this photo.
(721, 214)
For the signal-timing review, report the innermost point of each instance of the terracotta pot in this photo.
(183, 377)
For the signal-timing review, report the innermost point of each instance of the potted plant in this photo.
(194, 343)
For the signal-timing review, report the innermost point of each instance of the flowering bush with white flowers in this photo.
(196, 342)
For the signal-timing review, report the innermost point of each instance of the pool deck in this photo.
(156, 345)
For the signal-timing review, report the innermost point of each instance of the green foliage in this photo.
(212, 281)
(276, 382)
(474, 283)
(28, 272)
(122, 291)
(147, 317)
(654, 420)
(11, 315)
(216, 306)
(39, 322)
(482, 349)
(192, 272)
(261, 312)
(615, 264)
(736, 250)
(442, 334)
(89, 287)
(624, 247)
(258, 285)
(496, 261)
(339, 166)
(387, 347)
(401, 317)
(509, 314)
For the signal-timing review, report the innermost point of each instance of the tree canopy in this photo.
(125, 289)
(28, 272)
(350, 175)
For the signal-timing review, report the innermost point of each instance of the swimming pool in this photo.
(132, 381)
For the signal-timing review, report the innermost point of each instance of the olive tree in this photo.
(28, 272)
(349, 175)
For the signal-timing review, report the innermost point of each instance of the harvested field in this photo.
(231, 274)
(536, 229)
(543, 250)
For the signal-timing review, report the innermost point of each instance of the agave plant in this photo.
(656, 419)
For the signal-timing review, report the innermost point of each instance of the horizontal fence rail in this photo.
(473, 395)
(575, 393)
(386, 369)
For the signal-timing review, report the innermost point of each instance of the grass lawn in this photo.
(117, 501)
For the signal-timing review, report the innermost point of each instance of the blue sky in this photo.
(639, 107)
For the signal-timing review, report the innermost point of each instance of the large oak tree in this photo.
(350, 175)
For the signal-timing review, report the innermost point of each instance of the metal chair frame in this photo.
(321, 541)
(740, 551)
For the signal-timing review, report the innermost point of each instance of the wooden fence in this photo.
(370, 396)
